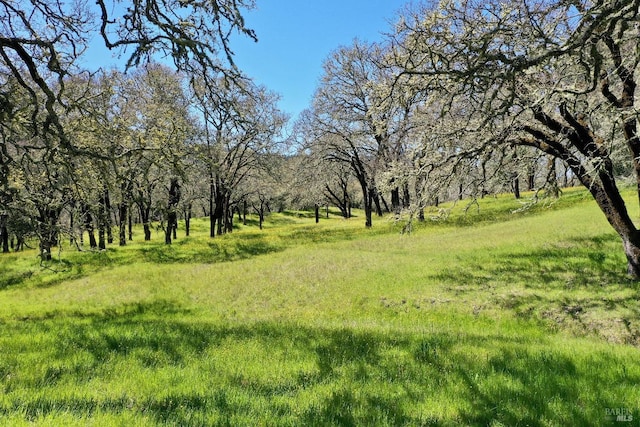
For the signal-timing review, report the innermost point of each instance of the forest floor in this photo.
(486, 314)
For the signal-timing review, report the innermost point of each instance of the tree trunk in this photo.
(147, 231)
(212, 216)
(187, 219)
(630, 130)
(4, 233)
(219, 211)
(130, 225)
(368, 202)
(45, 250)
(107, 215)
(531, 180)
(317, 212)
(48, 231)
(552, 178)
(565, 177)
(376, 197)
(103, 221)
(172, 215)
(130, 228)
(608, 197)
(260, 211)
(71, 224)
(369, 207)
(617, 215)
(632, 252)
(395, 200)
(244, 213)
(342, 201)
(101, 242)
(406, 196)
(231, 220)
(516, 187)
(122, 215)
(145, 214)
(227, 214)
(19, 243)
(88, 226)
(361, 175)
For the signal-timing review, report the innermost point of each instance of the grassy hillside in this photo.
(485, 318)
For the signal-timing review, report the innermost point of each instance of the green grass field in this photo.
(486, 318)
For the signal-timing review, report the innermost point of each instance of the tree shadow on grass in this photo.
(586, 262)
(13, 278)
(82, 264)
(211, 251)
(525, 373)
(578, 284)
(239, 246)
(356, 377)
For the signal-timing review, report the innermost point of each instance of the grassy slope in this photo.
(528, 320)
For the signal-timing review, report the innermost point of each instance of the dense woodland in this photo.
(463, 99)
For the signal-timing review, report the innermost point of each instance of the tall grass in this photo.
(520, 319)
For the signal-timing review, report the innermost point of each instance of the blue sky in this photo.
(295, 36)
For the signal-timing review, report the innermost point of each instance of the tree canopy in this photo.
(556, 76)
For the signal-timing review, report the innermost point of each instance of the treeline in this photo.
(151, 146)
(146, 147)
(371, 137)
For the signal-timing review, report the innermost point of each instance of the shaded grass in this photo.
(148, 364)
(529, 321)
(577, 284)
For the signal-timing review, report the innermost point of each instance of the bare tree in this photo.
(241, 125)
(341, 124)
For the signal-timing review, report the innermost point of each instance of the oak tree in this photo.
(558, 76)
